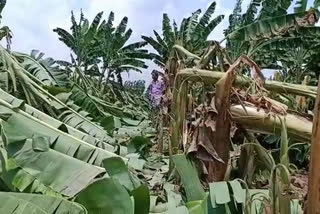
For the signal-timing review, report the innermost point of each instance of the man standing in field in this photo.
(155, 91)
(154, 94)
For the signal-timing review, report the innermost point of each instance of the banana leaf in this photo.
(46, 70)
(20, 203)
(189, 177)
(36, 95)
(273, 27)
(61, 142)
(32, 166)
(56, 123)
(106, 196)
(117, 169)
(35, 68)
(12, 205)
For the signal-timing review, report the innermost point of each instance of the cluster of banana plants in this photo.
(75, 140)
(235, 102)
(63, 145)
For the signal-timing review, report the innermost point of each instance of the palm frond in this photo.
(167, 31)
(212, 25)
(154, 44)
(135, 45)
(2, 5)
(160, 40)
(65, 37)
(205, 19)
(277, 26)
(301, 6)
(94, 25)
(193, 22)
(122, 26)
(110, 20)
(234, 18)
(272, 8)
(251, 12)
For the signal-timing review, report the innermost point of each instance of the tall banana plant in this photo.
(100, 49)
(117, 56)
(255, 31)
(81, 40)
(192, 34)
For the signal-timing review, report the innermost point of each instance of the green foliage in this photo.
(301, 6)
(37, 204)
(189, 177)
(256, 32)
(137, 87)
(46, 70)
(81, 39)
(192, 34)
(94, 199)
(272, 8)
(101, 49)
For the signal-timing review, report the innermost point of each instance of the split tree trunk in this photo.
(212, 77)
(259, 121)
(313, 204)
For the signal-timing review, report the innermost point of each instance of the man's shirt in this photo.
(155, 91)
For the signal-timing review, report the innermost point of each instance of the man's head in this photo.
(155, 75)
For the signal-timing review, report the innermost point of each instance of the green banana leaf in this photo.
(13, 205)
(56, 123)
(106, 196)
(189, 177)
(117, 169)
(64, 143)
(46, 70)
(271, 27)
(36, 95)
(141, 198)
(31, 166)
(77, 121)
(35, 68)
(21, 203)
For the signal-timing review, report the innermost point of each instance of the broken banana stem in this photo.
(269, 123)
(212, 77)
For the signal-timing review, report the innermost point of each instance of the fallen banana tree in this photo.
(249, 116)
(259, 121)
(212, 77)
(209, 136)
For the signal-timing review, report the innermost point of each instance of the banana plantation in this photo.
(226, 138)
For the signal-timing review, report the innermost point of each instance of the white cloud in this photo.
(32, 21)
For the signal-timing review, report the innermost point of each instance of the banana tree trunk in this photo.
(260, 121)
(192, 74)
(313, 203)
(255, 120)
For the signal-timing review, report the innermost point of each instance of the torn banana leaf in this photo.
(61, 142)
(20, 203)
(15, 102)
(32, 166)
(106, 196)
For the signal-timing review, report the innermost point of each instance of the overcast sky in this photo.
(32, 21)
